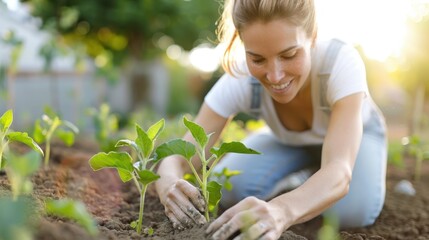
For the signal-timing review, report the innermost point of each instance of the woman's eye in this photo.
(258, 61)
(289, 56)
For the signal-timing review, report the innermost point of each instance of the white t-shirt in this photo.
(231, 95)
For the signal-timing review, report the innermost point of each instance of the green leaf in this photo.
(197, 132)
(215, 194)
(127, 143)
(426, 155)
(71, 126)
(49, 112)
(176, 146)
(232, 147)
(24, 165)
(38, 135)
(228, 185)
(74, 210)
(25, 139)
(66, 136)
(156, 129)
(122, 161)
(146, 176)
(16, 218)
(143, 141)
(230, 173)
(6, 120)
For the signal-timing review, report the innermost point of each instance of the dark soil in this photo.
(114, 204)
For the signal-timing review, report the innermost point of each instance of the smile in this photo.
(281, 86)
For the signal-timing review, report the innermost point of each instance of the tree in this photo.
(115, 32)
(127, 28)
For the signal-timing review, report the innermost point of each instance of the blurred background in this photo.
(147, 59)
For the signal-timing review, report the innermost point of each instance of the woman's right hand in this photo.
(183, 204)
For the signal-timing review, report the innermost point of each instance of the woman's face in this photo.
(278, 54)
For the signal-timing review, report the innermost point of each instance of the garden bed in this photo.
(114, 204)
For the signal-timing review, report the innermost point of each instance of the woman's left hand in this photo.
(249, 219)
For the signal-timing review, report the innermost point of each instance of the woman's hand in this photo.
(249, 219)
(183, 205)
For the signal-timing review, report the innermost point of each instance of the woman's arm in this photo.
(177, 195)
(339, 152)
(319, 192)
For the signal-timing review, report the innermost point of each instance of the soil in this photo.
(114, 204)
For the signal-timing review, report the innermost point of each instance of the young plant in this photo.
(17, 219)
(19, 169)
(106, 125)
(74, 210)
(52, 124)
(211, 190)
(7, 136)
(417, 148)
(140, 170)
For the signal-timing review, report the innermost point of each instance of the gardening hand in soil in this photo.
(184, 205)
(249, 219)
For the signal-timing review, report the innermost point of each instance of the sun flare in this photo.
(379, 26)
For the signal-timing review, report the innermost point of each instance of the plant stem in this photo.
(142, 197)
(136, 182)
(47, 152)
(419, 160)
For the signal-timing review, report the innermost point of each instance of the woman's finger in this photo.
(232, 212)
(240, 222)
(270, 235)
(174, 220)
(189, 209)
(254, 232)
(178, 213)
(192, 193)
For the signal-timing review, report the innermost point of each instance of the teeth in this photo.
(281, 86)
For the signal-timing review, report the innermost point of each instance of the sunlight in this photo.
(12, 4)
(379, 26)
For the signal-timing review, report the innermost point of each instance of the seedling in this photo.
(19, 169)
(211, 190)
(17, 218)
(52, 124)
(419, 150)
(140, 170)
(6, 136)
(106, 125)
(74, 210)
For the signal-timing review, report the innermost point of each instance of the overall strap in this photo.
(325, 71)
(255, 103)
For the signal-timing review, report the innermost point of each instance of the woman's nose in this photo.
(275, 73)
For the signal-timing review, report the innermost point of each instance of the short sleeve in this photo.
(229, 96)
(348, 75)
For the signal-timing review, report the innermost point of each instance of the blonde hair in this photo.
(239, 13)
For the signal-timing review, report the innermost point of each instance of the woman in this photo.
(315, 117)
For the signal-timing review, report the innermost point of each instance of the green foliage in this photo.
(6, 136)
(225, 176)
(395, 154)
(211, 190)
(330, 228)
(139, 169)
(17, 219)
(106, 127)
(52, 125)
(19, 169)
(419, 149)
(134, 30)
(74, 210)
